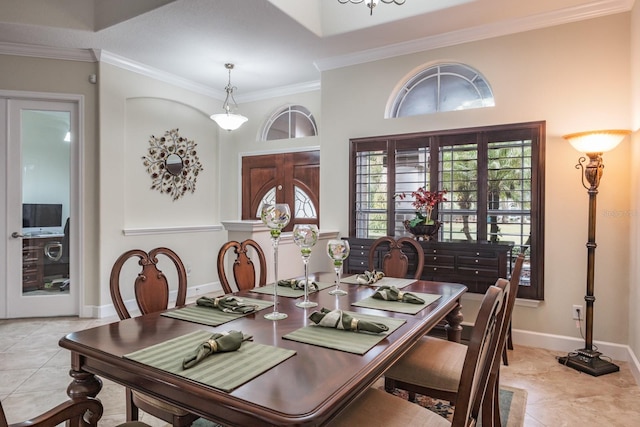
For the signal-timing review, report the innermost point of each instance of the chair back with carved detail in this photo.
(395, 262)
(79, 412)
(151, 287)
(244, 268)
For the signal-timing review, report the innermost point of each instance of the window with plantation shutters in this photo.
(494, 178)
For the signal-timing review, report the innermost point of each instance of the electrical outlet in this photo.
(577, 312)
(188, 268)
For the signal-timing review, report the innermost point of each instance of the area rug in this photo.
(513, 403)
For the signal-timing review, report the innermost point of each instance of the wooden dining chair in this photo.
(395, 262)
(375, 407)
(244, 269)
(79, 412)
(433, 367)
(151, 290)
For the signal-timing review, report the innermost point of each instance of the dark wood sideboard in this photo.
(475, 264)
(36, 265)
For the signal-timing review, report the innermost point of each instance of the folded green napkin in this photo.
(229, 304)
(391, 293)
(340, 320)
(369, 277)
(217, 343)
(298, 284)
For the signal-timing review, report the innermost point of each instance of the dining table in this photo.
(307, 383)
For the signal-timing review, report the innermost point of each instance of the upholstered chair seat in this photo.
(433, 363)
(377, 408)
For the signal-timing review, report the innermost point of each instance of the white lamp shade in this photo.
(597, 141)
(228, 121)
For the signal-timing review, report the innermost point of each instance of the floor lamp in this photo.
(593, 144)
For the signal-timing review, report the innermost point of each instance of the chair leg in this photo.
(132, 412)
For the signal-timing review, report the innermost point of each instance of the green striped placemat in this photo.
(349, 341)
(212, 316)
(285, 291)
(224, 371)
(389, 281)
(397, 306)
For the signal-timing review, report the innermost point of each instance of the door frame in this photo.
(8, 252)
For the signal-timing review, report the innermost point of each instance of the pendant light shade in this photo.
(229, 120)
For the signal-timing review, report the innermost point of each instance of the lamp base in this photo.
(589, 362)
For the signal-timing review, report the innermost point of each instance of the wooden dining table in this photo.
(309, 388)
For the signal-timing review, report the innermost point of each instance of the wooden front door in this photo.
(292, 178)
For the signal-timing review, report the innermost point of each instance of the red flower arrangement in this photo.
(424, 200)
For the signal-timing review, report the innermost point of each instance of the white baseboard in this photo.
(108, 310)
(567, 344)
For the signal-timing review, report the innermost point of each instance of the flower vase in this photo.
(423, 231)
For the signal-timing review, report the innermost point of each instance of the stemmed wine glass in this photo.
(338, 251)
(276, 217)
(305, 236)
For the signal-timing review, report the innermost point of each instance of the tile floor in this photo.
(34, 377)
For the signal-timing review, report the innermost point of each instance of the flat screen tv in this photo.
(41, 215)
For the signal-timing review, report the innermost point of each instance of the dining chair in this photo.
(434, 366)
(515, 284)
(151, 290)
(395, 262)
(376, 407)
(244, 269)
(80, 412)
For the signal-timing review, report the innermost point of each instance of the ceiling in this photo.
(278, 46)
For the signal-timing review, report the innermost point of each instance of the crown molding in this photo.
(140, 68)
(279, 91)
(47, 52)
(543, 20)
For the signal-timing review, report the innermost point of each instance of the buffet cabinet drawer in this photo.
(489, 262)
(439, 260)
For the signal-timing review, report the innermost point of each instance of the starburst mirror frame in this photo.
(173, 164)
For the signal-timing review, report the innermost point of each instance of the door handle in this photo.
(16, 235)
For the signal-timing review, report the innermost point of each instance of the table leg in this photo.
(83, 385)
(454, 323)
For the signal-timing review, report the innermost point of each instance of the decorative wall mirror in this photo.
(173, 164)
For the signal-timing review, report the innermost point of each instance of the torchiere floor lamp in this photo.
(592, 143)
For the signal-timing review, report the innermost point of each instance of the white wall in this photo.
(132, 108)
(576, 77)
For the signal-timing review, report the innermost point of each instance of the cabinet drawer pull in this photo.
(476, 271)
(476, 260)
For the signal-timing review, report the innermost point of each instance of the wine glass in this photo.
(338, 251)
(276, 217)
(305, 236)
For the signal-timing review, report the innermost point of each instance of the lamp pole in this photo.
(587, 359)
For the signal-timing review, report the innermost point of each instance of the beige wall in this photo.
(634, 196)
(67, 77)
(576, 77)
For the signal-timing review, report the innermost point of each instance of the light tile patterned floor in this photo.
(34, 377)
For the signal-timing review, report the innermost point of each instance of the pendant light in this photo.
(229, 120)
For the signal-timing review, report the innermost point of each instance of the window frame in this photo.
(292, 112)
(483, 136)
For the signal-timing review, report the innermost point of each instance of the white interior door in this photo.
(41, 205)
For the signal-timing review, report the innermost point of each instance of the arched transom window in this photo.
(441, 87)
(291, 121)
